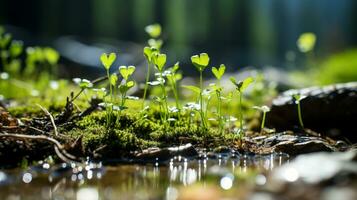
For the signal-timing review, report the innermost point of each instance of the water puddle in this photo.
(225, 176)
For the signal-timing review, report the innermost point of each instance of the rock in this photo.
(315, 176)
(294, 144)
(331, 110)
(164, 154)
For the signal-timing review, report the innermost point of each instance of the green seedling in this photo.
(201, 62)
(218, 73)
(173, 77)
(159, 61)
(126, 72)
(148, 52)
(240, 87)
(298, 98)
(154, 31)
(264, 109)
(107, 62)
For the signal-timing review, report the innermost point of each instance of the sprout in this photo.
(263, 109)
(107, 60)
(218, 73)
(306, 42)
(298, 98)
(201, 62)
(126, 72)
(241, 86)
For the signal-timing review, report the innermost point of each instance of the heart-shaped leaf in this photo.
(148, 51)
(107, 60)
(200, 61)
(159, 60)
(126, 72)
(218, 73)
(113, 79)
(154, 30)
(192, 88)
(242, 85)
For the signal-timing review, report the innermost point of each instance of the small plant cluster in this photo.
(167, 81)
(39, 64)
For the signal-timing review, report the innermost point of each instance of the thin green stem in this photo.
(300, 116)
(146, 83)
(263, 121)
(240, 112)
(201, 103)
(166, 109)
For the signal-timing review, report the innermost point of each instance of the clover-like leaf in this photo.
(113, 79)
(200, 61)
(159, 60)
(107, 60)
(148, 52)
(306, 42)
(241, 85)
(154, 30)
(192, 88)
(218, 73)
(126, 72)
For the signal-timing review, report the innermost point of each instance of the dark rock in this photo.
(331, 110)
(164, 154)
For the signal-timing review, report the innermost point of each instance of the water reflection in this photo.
(227, 172)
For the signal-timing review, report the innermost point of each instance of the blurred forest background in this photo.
(234, 32)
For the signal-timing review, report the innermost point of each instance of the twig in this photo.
(59, 149)
(51, 118)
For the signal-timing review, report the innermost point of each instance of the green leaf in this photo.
(130, 84)
(218, 73)
(126, 72)
(159, 60)
(51, 55)
(192, 88)
(4, 40)
(154, 30)
(16, 48)
(306, 42)
(175, 67)
(200, 61)
(241, 85)
(113, 79)
(148, 52)
(107, 60)
(155, 43)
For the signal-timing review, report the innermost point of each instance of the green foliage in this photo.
(338, 68)
(154, 30)
(107, 60)
(240, 87)
(200, 61)
(218, 73)
(306, 42)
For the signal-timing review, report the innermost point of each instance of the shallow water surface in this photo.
(227, 176)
